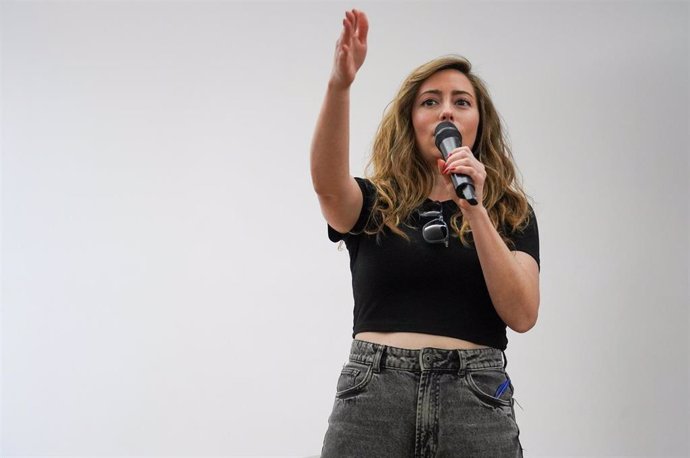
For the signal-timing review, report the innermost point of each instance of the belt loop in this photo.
(463, 367)
(505, 359)
(376, 365)
(422, 366)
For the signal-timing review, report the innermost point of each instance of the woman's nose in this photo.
(446, 113)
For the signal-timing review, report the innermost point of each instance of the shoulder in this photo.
(525, 237)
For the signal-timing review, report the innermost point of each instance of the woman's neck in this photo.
(440, 191)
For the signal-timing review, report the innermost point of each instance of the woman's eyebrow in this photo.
(438, 92)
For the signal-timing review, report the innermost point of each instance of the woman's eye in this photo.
(428, 102)
(460, 101)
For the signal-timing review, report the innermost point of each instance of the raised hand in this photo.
(351, 49)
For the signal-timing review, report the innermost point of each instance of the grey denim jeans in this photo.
(395, 402)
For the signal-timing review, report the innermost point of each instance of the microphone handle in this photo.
(464, 188)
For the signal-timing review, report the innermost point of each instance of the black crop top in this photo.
(421, 287)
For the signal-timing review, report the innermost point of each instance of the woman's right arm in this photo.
(339, 194)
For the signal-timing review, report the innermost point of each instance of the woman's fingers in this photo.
(362, 27)
(346, 36)
(351, 48)
(341, 74)
(462, 156)
(441, 164)
(464, 170)
(463, 151)
(465, 162)
(462, 162)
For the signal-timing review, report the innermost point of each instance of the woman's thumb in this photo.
(441, 164)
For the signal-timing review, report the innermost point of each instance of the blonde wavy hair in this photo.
(403, 179)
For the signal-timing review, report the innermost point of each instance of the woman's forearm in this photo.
(513, 290)
(330, 162)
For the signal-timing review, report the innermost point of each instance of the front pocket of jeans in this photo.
(484, 383)
(353, 378)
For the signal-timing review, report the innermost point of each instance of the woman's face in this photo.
(446, 95)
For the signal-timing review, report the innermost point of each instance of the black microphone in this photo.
(448, 138)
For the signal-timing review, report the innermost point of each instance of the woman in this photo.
(436, 280)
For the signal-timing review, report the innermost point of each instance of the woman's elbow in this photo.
(526, 322)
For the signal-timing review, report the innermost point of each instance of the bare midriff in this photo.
(415, 340)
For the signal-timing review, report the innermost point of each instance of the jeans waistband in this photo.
(426, 359)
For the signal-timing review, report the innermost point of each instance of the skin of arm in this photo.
(512, 277)
(339, 196)
(338, 193)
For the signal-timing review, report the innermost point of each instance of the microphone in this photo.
(448, 138)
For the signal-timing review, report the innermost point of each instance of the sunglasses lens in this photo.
(435, 232)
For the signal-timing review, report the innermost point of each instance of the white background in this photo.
(168, 287)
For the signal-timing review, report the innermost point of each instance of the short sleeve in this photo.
(527, 240)
(368, 198)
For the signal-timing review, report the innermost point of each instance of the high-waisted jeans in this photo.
(393, 402)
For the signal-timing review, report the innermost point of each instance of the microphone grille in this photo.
(445, 130)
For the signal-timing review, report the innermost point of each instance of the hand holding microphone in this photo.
(448, 138)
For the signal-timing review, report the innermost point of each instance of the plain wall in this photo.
(168, 287)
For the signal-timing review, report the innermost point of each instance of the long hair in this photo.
(403, 179)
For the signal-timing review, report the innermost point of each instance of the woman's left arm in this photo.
(512, 277)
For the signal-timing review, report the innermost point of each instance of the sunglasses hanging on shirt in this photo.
(436, 230)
